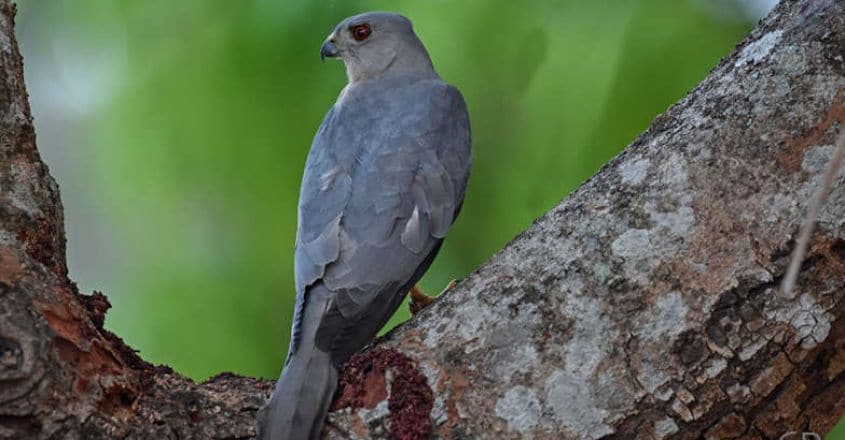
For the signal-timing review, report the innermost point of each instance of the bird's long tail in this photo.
(303, 394)
(301, 400)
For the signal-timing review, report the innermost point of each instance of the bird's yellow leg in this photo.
(419, 300)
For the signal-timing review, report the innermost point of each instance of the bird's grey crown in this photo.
(393, 20)
(391, 48)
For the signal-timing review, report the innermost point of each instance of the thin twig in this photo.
(788, 285)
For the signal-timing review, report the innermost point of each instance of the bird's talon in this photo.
(419, 300)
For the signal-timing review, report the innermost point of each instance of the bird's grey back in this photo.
(383, 150)
(360, 171)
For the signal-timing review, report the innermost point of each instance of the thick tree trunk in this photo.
(645, 305)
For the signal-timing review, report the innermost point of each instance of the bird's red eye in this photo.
(361, 32)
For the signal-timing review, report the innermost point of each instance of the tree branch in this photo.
(644, 305)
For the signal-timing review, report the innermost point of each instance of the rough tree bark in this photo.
(645, 305)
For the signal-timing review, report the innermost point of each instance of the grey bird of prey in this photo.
(383, 183)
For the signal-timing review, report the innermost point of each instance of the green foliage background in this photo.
(178, 131)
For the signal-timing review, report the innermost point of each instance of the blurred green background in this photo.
(178, 132)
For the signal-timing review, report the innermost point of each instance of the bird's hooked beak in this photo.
(328, 50)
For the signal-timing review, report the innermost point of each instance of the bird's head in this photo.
(376, 43)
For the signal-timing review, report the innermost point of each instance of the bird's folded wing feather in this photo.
(378, 194)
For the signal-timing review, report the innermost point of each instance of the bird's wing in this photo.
(372, 211)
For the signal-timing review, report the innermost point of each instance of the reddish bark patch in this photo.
(459, 384)
(90, 362)
(91, 350)
(363, 384)
(732, 426)
(793, 155)
(837, 362)
(375, 390)
(40, 244)
(82, 385)
(827, 257)
(97, 304)
(117, 400)
(10, 267)
(61, 320)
